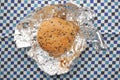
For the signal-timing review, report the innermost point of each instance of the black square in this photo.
(98, 76)
(106, 21)
(14, 78)
(92, 8)
(112, 38)
(5, 76)
(11, 69)
(96, 18)
(89, 59)
(107, 55)
(117, 59)
(46, 2)
(2, 39)
(6, 49)
(32, 62)
(29, 5)
(13, 42)
(113, 13)
(19, 1)
(109, 30)
(59, 1)
(118, 6)
(102, 72)
(2, 4)
(22, 59)
(25, 56)
(28, 66)
(84, 76)
(99, 62)
(31, 76)
(81, 5)
(116, 24)
(87, 48)
(19, 62)
(38, 69)
(102, 10)
(74, 72)
(116, 72)
(99, 28)
(14, 18)
(95, 79)
(12, 8)
(110, 65)
(112, 76)
(2, 66)
(92, 69)
(7, 24)
(21, 72)
(21, 11)
(98, 1)
(0, 31)
(114, 48)
(82, 65)
(5, 14)
(109, 3)
(93, 55)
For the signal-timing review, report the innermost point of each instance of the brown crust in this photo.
(56, 36)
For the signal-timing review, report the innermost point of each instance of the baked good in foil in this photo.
(56, 34)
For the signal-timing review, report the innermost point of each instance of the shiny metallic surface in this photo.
(26, 32)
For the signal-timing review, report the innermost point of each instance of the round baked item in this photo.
(56, 36)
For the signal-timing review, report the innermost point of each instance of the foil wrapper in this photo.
(26, 32)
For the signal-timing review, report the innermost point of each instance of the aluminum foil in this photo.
(26, 32)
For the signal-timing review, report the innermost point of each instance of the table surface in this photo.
(15, 64)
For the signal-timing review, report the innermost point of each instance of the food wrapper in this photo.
(26, 32)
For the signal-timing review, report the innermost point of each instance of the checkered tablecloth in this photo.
(105, 65)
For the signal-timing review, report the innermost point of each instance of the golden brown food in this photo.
(56, 36)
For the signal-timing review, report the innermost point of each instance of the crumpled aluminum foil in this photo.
(26, 32)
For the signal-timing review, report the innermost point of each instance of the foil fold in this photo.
(26, 32)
